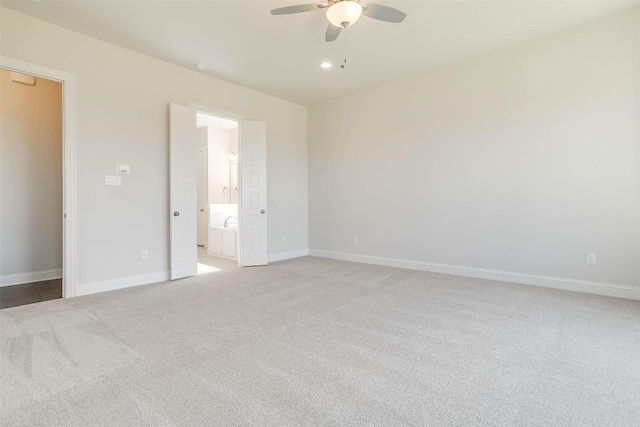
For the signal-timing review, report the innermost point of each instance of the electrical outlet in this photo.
(284, 239)
(145, 254)
(355, 240)
(590, 259)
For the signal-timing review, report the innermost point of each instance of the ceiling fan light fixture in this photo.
(344, 13)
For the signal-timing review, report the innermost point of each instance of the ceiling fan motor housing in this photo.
(343, 13)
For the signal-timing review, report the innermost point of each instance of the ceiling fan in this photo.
(344, 13)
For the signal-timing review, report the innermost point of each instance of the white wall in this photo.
(519, 161)
(30, 178)
(219, 144)
(122, 117)
(233, 172)
(202, 136)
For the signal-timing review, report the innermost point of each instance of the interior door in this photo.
(203, 204)
(253, 189)
(183, 191)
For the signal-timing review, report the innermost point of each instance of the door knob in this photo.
(262, 211)
(176, 213)
(201, 210)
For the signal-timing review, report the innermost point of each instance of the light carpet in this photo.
(312, 341)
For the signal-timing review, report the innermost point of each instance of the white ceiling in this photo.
(240, 41)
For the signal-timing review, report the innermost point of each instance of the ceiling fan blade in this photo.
(297, 9)
(383, 13)
(332, 33)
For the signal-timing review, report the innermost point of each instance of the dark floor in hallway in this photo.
(29, 293)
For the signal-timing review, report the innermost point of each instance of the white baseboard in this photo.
(36, 276)
(124, 282)
(144, 279)
(607, 289)
(287, 255)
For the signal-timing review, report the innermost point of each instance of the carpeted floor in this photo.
(312, 341)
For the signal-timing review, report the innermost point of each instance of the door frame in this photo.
(69, 228)
(238, 118)
(206, 187)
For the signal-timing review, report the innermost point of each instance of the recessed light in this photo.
(200, 65)
(326, 65)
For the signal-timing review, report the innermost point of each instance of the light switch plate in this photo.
(112, 180)
(120, 168)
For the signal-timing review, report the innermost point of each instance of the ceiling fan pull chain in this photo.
(345, 50)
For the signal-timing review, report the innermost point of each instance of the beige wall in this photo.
(521, 161)
(122, 117)
(30, 176)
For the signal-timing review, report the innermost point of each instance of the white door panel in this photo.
(183, 191)
(253, 152)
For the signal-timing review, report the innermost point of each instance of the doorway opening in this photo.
(31, 194)
(217, 193)
(242, 211)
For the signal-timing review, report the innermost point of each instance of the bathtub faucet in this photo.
(226, 221)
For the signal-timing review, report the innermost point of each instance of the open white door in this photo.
(253, 189)
(183, 192)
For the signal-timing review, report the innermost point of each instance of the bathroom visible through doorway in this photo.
(218, 192)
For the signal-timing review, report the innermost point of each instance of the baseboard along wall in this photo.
(145, 279)
(35, 276)
(606, 289)
(124, 282)
(287, 255)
